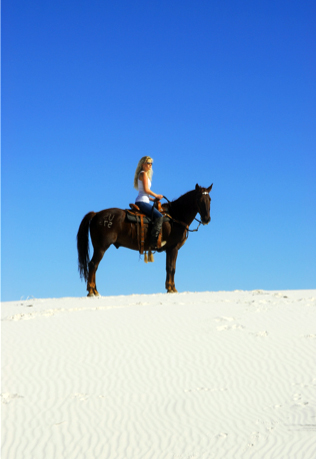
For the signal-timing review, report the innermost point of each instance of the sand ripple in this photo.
(205, 375)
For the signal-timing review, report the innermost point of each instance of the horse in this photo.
(110, 226)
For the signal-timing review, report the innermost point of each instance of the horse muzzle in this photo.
(206, 221)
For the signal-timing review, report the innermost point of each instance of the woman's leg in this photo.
(156, 213)
(149, 210)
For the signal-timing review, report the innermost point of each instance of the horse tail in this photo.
(83, 245)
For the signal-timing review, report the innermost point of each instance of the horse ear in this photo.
(197, 187)
(209, 188)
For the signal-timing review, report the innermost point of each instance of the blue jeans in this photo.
(148, 209)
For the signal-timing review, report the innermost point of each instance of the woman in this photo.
(142, 183)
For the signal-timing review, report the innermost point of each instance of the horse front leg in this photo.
(172, 255)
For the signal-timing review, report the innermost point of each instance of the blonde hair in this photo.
(139, 168)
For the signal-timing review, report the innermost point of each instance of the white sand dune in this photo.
(189, 375)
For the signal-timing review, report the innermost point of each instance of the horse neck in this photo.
(185, 208)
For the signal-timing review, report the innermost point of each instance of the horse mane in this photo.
(181, 204)
(189, 196)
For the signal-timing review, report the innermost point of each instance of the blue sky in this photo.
(216, 92)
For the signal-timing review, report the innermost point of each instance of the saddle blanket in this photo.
(131, 217)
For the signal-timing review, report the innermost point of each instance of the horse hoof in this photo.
(90, 294)
(96, 293)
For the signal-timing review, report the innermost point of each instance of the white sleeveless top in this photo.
(142, 196)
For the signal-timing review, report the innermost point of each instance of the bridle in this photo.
(205, 193)
(184, 224)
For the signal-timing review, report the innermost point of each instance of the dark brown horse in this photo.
(111, 227)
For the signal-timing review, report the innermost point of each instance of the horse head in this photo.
(203, 201)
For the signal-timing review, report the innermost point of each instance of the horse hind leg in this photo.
(91, 284)
(93, 266)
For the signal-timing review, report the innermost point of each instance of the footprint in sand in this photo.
(81, 397)
(7, 397)
(225, 319)
(228, 327)
(262, 334)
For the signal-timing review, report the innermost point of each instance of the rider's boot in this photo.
(155, 230)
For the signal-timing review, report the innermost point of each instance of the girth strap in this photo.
(142, 235)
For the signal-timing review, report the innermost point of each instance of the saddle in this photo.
(134, 215)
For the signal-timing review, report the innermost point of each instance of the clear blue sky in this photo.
(216, 92)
